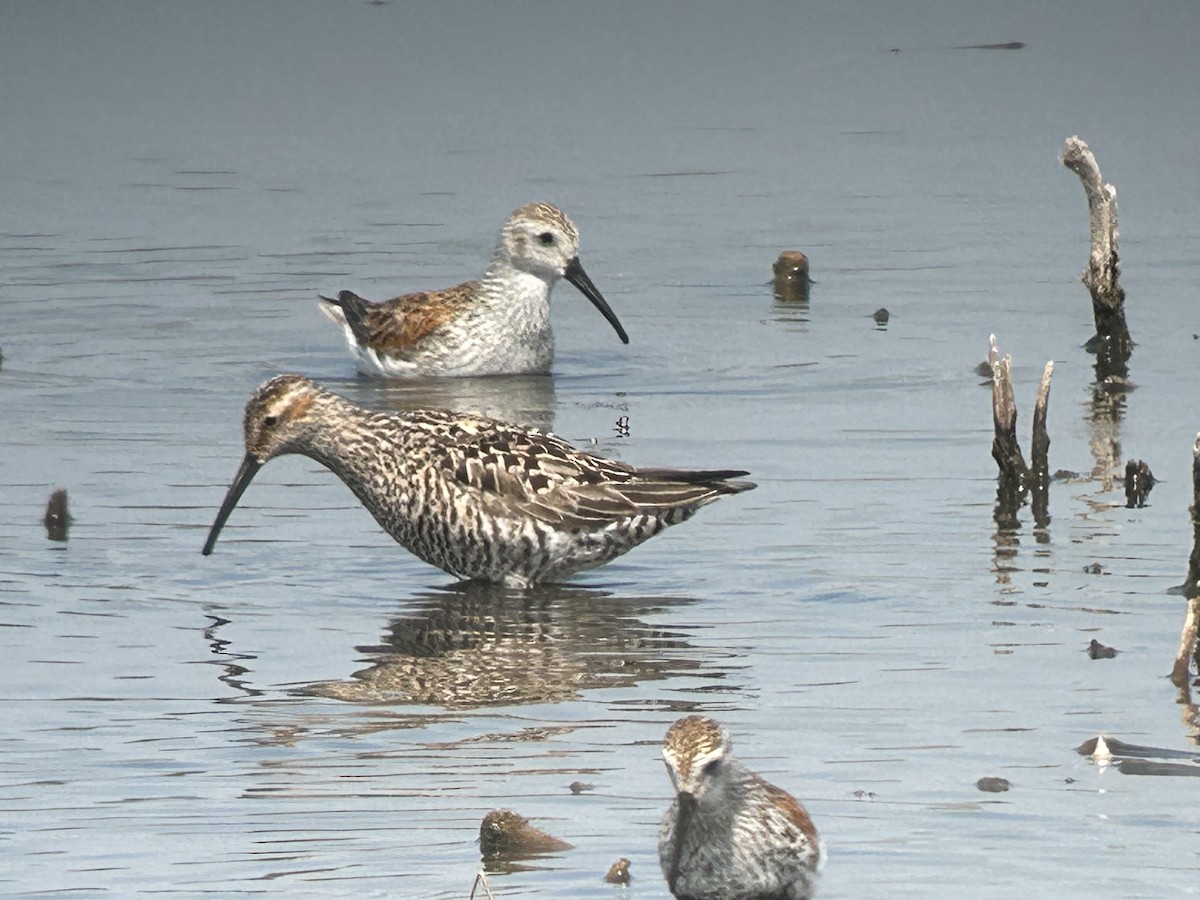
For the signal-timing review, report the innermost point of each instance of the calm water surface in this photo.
(313, 712)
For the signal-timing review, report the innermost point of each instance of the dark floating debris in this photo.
(881, 316)
(991, 784)
(57, 519)
(1093, 569)
(618, 872)
(579, 787)
(504, 833)
(1007, 45)
(791, 277)
(1103, 749)
(1139, 481)
(1149, 767)
(1097, 650)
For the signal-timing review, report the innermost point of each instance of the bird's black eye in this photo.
(546, 238)
(270, 421)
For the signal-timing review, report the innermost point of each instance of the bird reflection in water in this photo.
(474, 645)
(527, 400)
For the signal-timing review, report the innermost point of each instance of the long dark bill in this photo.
(574, 273)
(241, 481)
(687, 806)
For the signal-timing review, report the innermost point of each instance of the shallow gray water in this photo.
(312, 711)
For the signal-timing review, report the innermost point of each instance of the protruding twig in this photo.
(1111, 342)
(481, 882)
(1039, 452)
(1191, 587)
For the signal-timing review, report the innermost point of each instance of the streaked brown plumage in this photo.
(481, 499)
(729, 834)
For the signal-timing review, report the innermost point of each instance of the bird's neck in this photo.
(365, 450)
(510, 285)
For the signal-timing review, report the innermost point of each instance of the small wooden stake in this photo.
(1039, 453)
(1191, 587)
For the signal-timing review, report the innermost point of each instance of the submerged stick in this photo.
(1111, 342)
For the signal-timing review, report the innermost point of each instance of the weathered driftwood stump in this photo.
(1111, 343)
(1017, 479)
(1188, 648)
(1006, 449)
(791, 276)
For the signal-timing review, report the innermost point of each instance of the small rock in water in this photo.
(992, 785)
(881, 316)
(509, 834)
(57, 519)
(1093, 569)
(1097, 650)
(791, 276)
(578, 787)
(618, 872)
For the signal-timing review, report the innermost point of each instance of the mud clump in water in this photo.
(504, 833)
(57, 519)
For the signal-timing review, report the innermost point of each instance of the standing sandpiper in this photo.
(481, 499)
(730, 835)
(498, 325)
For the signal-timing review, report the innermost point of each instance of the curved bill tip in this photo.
(574, 273)
(241, 481)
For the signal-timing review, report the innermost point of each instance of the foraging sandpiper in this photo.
(497, 325)
(481, 499)
(730, 834)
